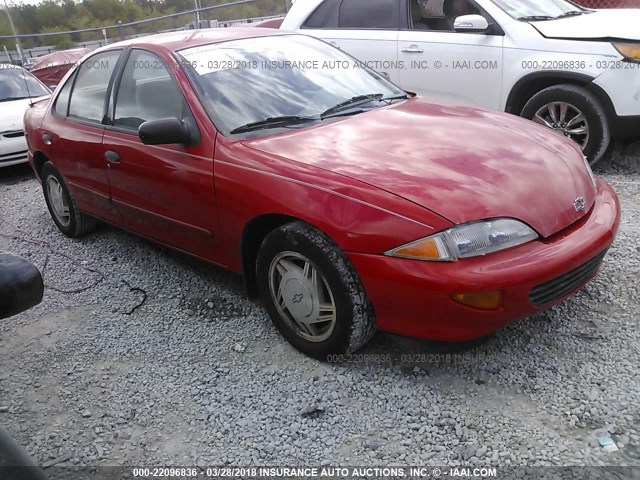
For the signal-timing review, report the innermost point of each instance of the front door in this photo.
(163, 192)
(444, 64)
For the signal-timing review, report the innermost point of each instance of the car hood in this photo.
(622, 23)
(12, 113)
(462, 163)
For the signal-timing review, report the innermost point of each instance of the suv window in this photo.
(147, 92)
(440, 15)
(325, 16)
(90, 88)
(378, 14)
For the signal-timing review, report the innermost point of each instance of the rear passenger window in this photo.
(90, 88)
(378, 14)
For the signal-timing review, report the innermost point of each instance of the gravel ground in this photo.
(139, 355)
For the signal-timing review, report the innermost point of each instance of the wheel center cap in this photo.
(297, 298)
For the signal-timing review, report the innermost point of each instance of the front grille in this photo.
(13, 134)
(557, 288)
(9, 157)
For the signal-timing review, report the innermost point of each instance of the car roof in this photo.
(6, 66)
(175, 41)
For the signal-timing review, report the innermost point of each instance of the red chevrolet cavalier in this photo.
(347, 204)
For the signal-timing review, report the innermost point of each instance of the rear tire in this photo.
(62, 206)
(312, 292)
(546, 107)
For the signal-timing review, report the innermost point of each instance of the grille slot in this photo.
(558, 287)
(13, 156)
(13, 134)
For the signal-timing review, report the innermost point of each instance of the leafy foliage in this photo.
(69, 15)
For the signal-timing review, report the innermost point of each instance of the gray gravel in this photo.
(139, 355)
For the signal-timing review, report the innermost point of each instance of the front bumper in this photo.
(622, 85)
(13, 149)
(413, 297)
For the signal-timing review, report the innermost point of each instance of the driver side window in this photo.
(440, 15)
(147, 92)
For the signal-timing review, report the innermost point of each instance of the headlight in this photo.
(468, 240)
(630, 51)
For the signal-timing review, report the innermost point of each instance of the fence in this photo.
(231, 13)
(609, 3)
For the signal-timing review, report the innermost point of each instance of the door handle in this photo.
(46, 138)
(412, 50)
(111, 156)
(335, 45)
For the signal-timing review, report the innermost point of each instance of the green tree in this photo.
(69, 15)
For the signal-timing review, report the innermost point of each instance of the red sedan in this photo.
(347, 204)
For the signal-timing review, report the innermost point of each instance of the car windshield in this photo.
(539, 9)
(283, 81)
(16, 83)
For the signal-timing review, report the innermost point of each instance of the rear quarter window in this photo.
(61, 107)
(324, 16)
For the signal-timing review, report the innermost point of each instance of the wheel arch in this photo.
(253, 234)
(532, 83)
(39, 159)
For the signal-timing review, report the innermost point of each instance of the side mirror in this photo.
(470, 23)
(21, 285)
(164, 131)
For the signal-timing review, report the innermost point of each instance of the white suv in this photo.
(570, 68)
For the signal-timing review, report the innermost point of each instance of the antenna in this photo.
(26, 84)
(19, 51)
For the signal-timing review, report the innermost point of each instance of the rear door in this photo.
(444, 64)
(75, 129)
(163, 192)
(366, 29)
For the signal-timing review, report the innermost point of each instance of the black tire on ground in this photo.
(587, 103)
(79, 222)
(354, 317)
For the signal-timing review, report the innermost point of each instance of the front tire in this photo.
(312, 292)
(62, 206)
(575, 112)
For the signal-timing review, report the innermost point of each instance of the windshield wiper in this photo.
(572, 13)
(401, 96)
(273, 122)
(9, 99)
(352, 102)
(534, 18)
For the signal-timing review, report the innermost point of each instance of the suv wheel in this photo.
(574, 112)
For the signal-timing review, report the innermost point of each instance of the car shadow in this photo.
(418, 356)
(16, 174)
(622, 157)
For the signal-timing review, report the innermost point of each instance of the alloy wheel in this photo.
(565, 119)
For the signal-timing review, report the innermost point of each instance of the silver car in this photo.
(17, 89)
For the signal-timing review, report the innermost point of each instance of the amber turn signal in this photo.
(630, 51)
(425, 249)
(481, 300)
